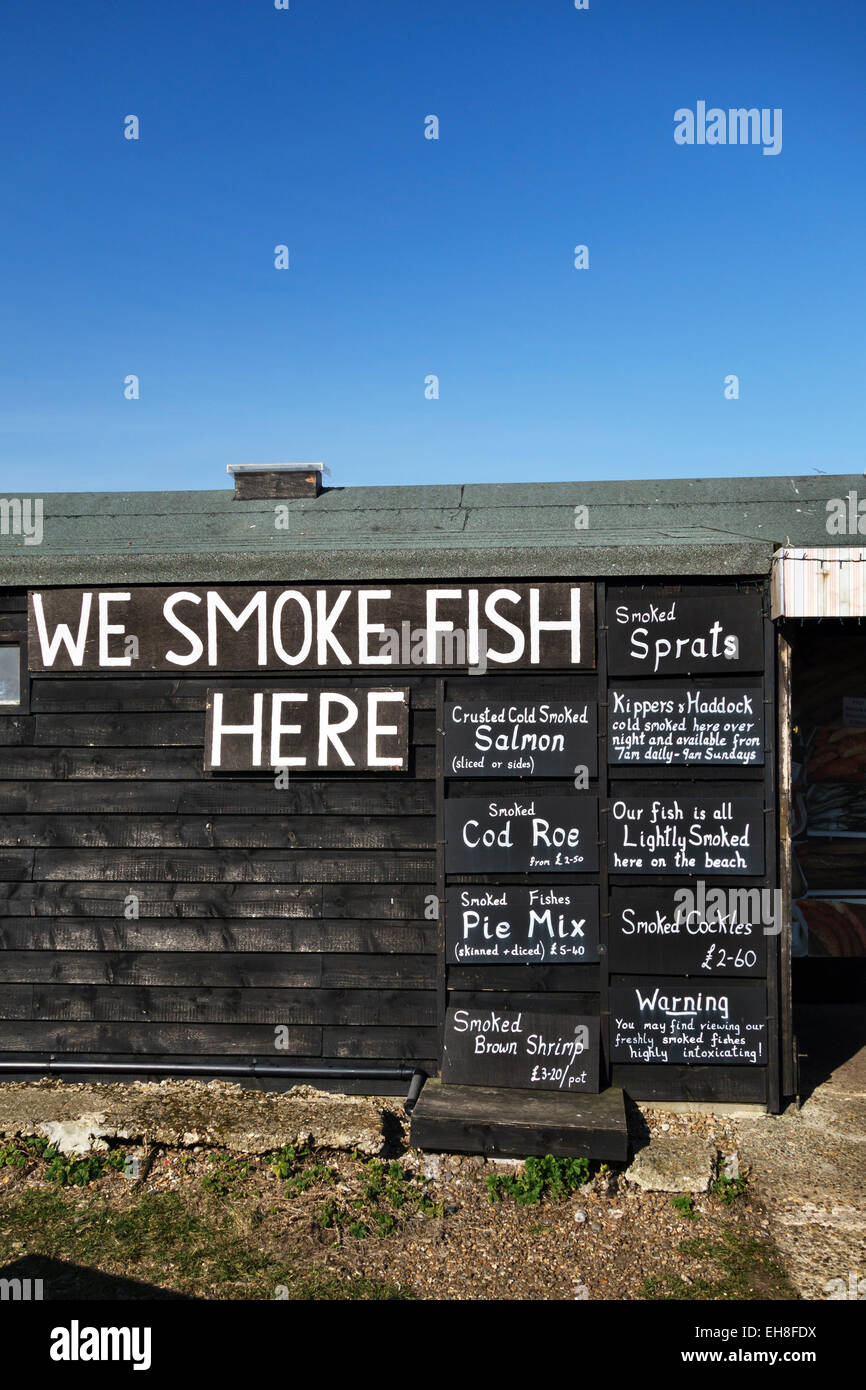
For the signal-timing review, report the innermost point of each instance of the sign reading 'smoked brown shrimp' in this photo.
(350, 626)
(503, 1046)
(338, 730)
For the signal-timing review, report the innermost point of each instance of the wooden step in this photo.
(514, 1123)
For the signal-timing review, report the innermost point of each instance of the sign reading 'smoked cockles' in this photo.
(659, 636)
(339, 730)
(353, 626)
(515, 739)
(689, 1021)
(686, 834)
(686, 724)
(521, 926)
(521, 834)
(698, 929)
(500, 1046)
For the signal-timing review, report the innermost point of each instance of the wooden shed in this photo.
(489, 786)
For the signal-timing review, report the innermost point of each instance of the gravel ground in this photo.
(800, 1222)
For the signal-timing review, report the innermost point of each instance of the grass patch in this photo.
(746, 1268)
(387, 1193)
(199, 1253)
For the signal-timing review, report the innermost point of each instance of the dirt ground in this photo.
(217, 1193)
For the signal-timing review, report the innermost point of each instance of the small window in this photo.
(10, 676)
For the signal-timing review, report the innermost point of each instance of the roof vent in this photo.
(253, 480)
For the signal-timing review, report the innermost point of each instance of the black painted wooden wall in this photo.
(258, 908)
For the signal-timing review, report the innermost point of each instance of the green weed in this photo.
(541, 1177)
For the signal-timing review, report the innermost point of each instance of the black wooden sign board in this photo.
(682, 833)
(482, 627)
(344, 730)
(695, 930)
(694, 1021)
(693, 635)
(509, 925)
(686, 724)
(488, 738)
(521, 834)
(496, 1046)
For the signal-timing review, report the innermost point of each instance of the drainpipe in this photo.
(414, 1075)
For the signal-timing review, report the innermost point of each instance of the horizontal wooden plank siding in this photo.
(151, 910)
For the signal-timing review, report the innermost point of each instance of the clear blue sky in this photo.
(411, 257)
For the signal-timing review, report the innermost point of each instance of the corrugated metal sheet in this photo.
(828, 582)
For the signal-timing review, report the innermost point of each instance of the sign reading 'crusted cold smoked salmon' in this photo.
(351, 626)
(488, 738)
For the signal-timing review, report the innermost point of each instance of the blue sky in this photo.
(411, 257)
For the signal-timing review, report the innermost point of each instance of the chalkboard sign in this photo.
(554, 925)
(686, 834)
(521, 834)
(340, 730)
(696, 1021)
(694, 930)
(495, 1046)
(686, 724)
(696, 635)
(520, 739)
(330, 626)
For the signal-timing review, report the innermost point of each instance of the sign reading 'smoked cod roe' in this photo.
(500, 1046)
(521, 834)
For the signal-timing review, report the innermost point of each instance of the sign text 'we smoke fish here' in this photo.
(328, 627)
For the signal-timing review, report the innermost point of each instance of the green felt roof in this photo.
(664, 527)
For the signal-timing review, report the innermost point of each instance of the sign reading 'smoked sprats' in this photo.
(650, 635)
(723, 1022)
(353, 626)
(512, 925)
(503, 1046)
(489, 738)
(340, 730)
(686, 834)
(686, 724)
(521, 834)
